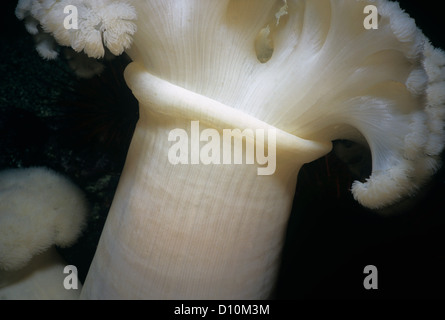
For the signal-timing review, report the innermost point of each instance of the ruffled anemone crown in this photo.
(101, 24)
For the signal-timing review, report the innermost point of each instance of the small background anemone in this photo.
(82, 129)
(78, 127)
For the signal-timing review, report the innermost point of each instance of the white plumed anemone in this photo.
(307, 70)
(312, 69)
(101, 24)
(42, 278)
(38, 209)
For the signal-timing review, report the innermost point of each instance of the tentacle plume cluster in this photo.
(101, 24)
